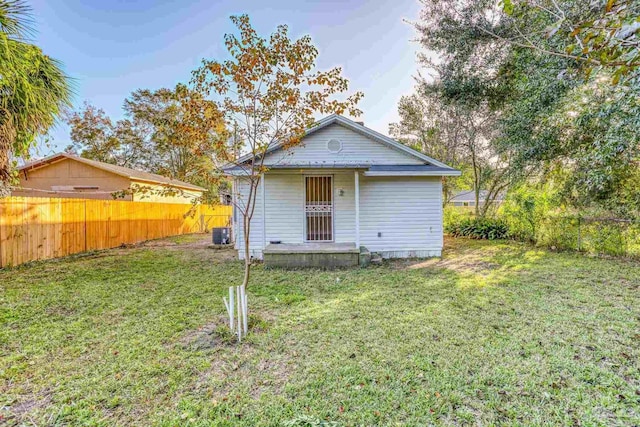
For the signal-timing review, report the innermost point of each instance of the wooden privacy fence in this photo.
(33, 228)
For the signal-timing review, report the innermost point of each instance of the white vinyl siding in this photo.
(256, 235)
(356, 149)
(407, 211)
(345, 205)
(284, 207)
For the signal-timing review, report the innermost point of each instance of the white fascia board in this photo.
(453, 172)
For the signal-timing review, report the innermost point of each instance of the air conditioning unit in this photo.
(221, 235)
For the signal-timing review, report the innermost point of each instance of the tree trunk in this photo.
(247, 252)
(248, 215)
(476, 182)
(6, 136)
(476, 190)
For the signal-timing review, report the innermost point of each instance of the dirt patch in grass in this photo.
(25, 406)
(467, 264)
(158, 243)
(257, 373)
(208, 337)
(464, 256)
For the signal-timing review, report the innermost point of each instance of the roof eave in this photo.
(451, 172)
(41, 162)
(169, 184)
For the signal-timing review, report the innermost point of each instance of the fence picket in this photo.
(33, 228)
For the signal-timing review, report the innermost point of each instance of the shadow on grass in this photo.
(494, 333)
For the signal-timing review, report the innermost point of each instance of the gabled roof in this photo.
(133, 174)
(356, 127)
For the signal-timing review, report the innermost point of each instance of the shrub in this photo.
(456, 214)
(479, 228)
(604, 238)
(524, 210)
(558, 232)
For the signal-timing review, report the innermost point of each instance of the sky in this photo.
(112, 47)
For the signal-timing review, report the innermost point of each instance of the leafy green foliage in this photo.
(479, 228)
(457, 133)
(572, 117)
(34, 90)
(601, 36)
(524, 209)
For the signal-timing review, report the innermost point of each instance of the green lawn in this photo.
(492, 334)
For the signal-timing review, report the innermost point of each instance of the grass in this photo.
(492, 334)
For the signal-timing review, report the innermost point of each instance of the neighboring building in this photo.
(345, 186)
(67, 175)
(468, 198)
(225, 198)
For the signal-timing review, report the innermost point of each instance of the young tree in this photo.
(268, 92)
(34, 90)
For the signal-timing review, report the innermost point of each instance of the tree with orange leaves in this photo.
(268, 92)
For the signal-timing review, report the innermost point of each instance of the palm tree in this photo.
(34, 90)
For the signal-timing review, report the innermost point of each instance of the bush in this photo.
(479, 228)
(524, 210)
(456, 214)
(558, 232)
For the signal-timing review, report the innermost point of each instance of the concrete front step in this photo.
(312, 255)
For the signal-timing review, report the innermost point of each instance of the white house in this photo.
(468, 198)
(345, 186)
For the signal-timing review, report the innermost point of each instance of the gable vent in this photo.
(334, 145)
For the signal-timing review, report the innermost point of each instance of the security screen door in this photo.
(318, 208)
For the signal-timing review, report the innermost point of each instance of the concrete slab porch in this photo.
(312, 255)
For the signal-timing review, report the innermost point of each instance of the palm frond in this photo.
(15, 18)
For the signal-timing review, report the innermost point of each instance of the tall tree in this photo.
(168, 114)
(558, 107)
(94, 135)
(268, 92)
(459, 134)
(170, 132)
(425, 126)
(34, 90)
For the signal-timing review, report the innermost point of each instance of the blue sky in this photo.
(114, 47)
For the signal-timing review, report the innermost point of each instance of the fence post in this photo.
(202, 223)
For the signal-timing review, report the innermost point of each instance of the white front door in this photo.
(318, 208)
